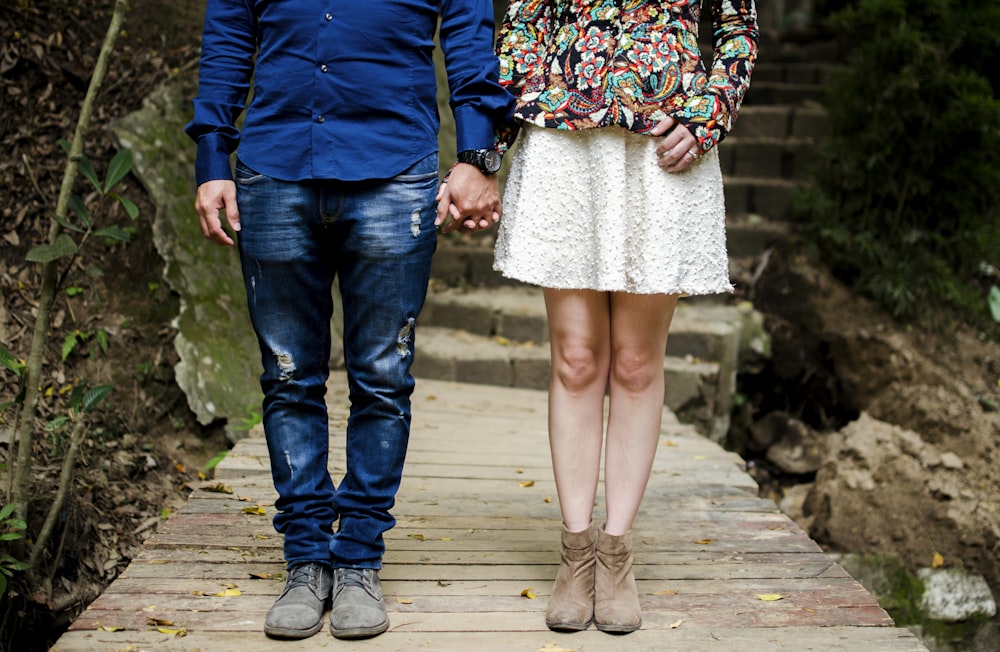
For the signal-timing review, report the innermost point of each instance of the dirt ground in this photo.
(835, 355)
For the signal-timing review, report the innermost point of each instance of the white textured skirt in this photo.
(591, 209)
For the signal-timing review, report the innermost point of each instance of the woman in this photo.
(614, 205)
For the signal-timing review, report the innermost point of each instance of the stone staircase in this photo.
(477, 327)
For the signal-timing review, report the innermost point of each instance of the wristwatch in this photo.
(487, 160)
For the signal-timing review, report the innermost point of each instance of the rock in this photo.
(880, 485)
(954, 595)
(798, 451)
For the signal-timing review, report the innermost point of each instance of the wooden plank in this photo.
(398, 639)
(470, 538)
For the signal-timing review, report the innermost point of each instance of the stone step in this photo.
(516, 315)
(692, 386)
(764, 156)
(766, 196)
(777, 92)
(781, 121)
(792, 72)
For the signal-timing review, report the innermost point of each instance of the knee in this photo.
(578, 366)
(635, 372)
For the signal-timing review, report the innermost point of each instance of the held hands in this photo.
(215, 199)
(468, 201)
(678, 149)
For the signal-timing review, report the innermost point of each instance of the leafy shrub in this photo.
(905, 203)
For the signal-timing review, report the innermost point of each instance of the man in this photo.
(336, 177)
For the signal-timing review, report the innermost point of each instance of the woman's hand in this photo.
(678, 149)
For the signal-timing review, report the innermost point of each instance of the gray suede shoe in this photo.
(358, 608)
(298, 611)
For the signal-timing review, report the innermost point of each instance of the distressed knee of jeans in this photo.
(286, 364)
(415, 223)
(288, 461)
(404, 337)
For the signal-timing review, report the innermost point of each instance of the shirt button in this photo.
(328, 16)
(324, 68)
(321, 119)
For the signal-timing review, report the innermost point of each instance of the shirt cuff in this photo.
(473, 130)
(212, 160)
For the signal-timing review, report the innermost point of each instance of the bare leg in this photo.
(639, 327)
(579, 332)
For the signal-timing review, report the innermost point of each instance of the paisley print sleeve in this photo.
(711, 114)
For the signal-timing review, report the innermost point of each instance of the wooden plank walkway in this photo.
(478, 533)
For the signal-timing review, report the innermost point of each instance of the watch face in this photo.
(492, 160)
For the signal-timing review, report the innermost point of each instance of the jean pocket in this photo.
(245, 175)
(423, 170)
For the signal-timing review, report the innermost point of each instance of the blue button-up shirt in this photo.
(341, 89)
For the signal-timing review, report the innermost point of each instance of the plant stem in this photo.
(21, 490)
(65, 476)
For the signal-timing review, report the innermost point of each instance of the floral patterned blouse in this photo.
(579, 64)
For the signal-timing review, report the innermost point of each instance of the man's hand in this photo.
(470, 199)
(214, 199)
(679, 148)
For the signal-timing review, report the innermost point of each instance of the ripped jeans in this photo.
(377, 238)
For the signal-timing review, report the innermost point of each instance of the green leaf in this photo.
(995, 303)
(77, 206)
(10, 362)
(87, 170)
(130, 207)
(93, 398)
(56, 423)
(113, 233)
(102, 340)
(63, 247)
(212, 463)
(69, 344)
(66, 224)
(6, 511)
(73, 291)
(118, 168)
(11, 536)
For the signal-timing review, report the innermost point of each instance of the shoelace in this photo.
(305, 575)
(353, 577)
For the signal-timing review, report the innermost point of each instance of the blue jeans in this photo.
(377, 238)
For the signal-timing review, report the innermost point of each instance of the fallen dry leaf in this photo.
(527, 483)
(418, 537)
(228, 593)
(676, 623)
(404, 600)
(529, 593)
(552, 647)
(110, 628)
(666, 592)
(218, 488)
(158, 622)
(173, 632)
(770, 597)
(937, 561)
(261, 576)
(704, 542)
(667, 442)
(547, 499)
(256, 510)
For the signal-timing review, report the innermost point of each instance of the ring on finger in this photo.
(691, 153)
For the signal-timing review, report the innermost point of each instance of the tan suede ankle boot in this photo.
(571, 606)
(616, 601)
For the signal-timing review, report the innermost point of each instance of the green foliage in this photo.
(98, 336)
(64, 245)
(905, 203)
(10, 530)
